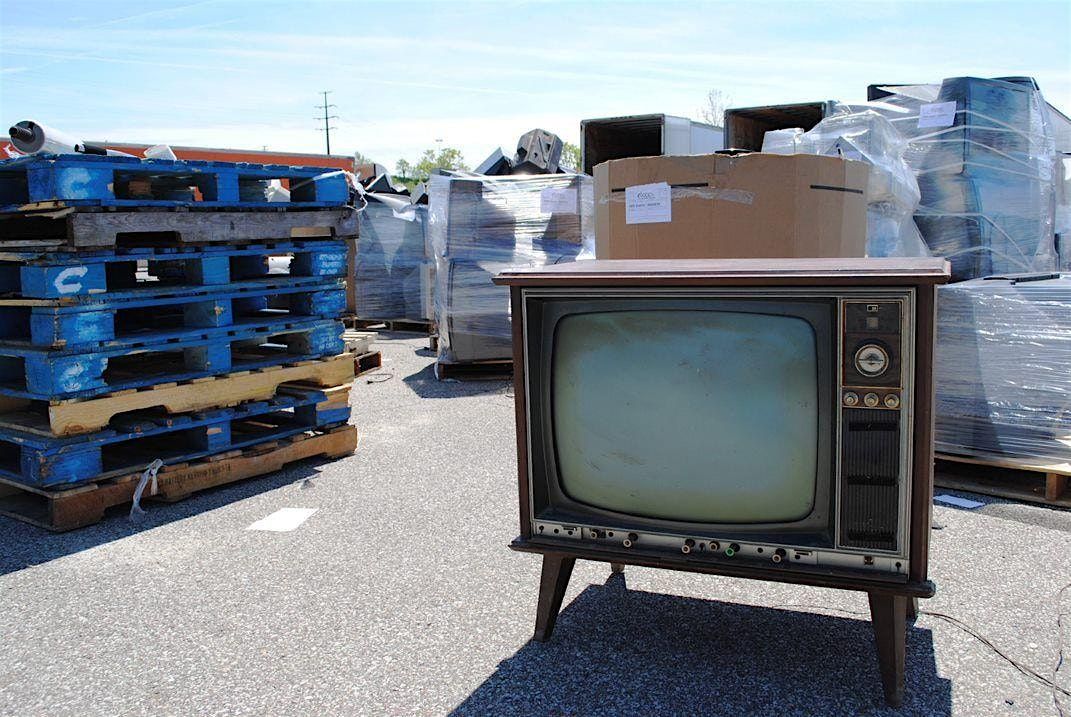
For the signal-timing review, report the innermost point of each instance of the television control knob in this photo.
(870, 400)
(892, 400)
(871, 360)
(779, 555)
(630, 540)
(688, 546)
(732, 550)
(714, 546)
(851, 398)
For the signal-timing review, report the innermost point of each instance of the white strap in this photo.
(149, 474)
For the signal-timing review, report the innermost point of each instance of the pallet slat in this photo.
(89, 228)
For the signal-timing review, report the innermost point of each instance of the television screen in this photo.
(685, 415)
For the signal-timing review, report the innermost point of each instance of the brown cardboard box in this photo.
(723, 206)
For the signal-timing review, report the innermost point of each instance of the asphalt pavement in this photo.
(398, 596)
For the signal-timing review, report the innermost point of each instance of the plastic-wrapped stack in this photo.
(480, 225)
(1003, 369)
(892, 192)
(984, 155)
(393, 277)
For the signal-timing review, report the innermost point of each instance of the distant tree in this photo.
(444, 158)
(571, 157)
(359, 158)
(713, 111)
(403, 168)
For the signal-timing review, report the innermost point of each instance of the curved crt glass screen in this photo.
(693, 416)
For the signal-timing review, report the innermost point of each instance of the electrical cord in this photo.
(1024, 669)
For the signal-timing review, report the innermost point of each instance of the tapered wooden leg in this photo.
(617, 567)
(552, 585)
(889, 615)
(912, 610)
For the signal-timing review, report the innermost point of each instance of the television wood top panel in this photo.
(730, 272)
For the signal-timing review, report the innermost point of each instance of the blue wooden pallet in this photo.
(158, 314)
(84, 180)
(54, 275)
(135, 440)
(37, 373)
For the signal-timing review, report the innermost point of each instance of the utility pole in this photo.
(326, 129)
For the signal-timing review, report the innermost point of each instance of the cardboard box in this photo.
(724, 206)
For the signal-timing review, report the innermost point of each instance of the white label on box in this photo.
(557, 200)
(648, 204)
(937, 114)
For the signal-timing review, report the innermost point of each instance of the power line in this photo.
(326, 129)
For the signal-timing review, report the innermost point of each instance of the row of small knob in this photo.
(871, 400)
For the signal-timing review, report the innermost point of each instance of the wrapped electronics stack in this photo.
(166, 328)
(481, 225)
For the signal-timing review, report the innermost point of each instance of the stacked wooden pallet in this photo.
(163, 313)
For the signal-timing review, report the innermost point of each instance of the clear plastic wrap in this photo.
(480, 225)
(1003, 369)
(392, 267)
(892, 192)
(1063, 211)
(983, 153)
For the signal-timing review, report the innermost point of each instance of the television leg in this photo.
(617, 568)
(889, 615)
(552, 584)
(912, 610)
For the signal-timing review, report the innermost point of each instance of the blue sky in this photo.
(230, 73)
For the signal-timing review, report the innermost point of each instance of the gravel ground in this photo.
(399, 597)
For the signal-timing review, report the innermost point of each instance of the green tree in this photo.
(403, 169)
(445, 158)
(571, 157)
(359, 158)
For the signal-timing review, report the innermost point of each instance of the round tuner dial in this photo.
(871, 360)
(892, 401)
(851, 398)
(870, 400)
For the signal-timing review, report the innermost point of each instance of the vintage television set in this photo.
(766, 419)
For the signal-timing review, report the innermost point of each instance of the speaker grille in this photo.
(870, 473)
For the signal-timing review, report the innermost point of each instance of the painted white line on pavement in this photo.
(283, 520)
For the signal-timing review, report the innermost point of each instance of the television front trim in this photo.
(877, 563)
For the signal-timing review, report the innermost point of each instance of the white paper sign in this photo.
(937, 114)
(557, 200)
(648, 204)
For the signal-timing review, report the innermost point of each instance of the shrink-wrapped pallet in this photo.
(479, 225)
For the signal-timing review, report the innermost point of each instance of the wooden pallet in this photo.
(366, 362)
(87, 415)
(78, 228)
(1004, 477)
(85, 505)
(475, 370)
(358, 342)
(405, 325)
(93, 180)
